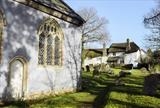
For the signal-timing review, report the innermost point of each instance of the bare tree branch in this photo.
(152, 22)
(92, 29)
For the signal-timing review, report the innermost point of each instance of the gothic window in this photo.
(50, 41)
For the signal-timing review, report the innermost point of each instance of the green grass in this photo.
(100, 92)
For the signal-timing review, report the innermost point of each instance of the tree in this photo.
(94, 27)
(148, 59)
(152, 22)
(152, 59)
(104, 39)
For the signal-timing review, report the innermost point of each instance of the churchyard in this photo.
(101, 92)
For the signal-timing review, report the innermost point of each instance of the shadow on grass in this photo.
(104, 85)
(101, 87)
(102, 99)
(47, 102)
(128, 89)
(134, 80)
(93, 85)
(17, 104)
(128, 104)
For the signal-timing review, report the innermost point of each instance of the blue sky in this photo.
(125, 17)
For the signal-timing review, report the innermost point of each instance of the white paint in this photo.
(131, 58)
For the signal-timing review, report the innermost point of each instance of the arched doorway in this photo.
(18, 77)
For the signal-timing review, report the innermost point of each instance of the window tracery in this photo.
(50, 43)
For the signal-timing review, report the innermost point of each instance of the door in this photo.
(17, 78)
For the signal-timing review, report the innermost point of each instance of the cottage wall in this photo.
(132, 58)
(20, 39)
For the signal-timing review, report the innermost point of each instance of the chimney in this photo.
(128, 47)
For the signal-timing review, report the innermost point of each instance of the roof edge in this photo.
(78, 21)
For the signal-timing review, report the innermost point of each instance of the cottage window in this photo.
(50, 43)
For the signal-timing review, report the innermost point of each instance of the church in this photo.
(40, 48)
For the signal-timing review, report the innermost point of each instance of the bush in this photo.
(143, 65)
(128, 66)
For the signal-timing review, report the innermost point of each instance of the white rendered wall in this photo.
(131, 58)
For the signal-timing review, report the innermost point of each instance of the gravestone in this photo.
(96, 71)
(122, 74)
(87, 68)
(150, 84)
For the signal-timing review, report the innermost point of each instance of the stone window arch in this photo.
(50, 43)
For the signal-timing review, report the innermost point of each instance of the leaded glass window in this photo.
(57, 54)
(50, 41)
(49, 50)
(41, 59)
(1, 33)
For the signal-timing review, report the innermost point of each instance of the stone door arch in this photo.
(18, 78)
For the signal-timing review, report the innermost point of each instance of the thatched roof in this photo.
(121, 47)
(97, 50)
(57, 8)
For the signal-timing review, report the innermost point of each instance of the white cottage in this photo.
(40, 48)
(125, 53)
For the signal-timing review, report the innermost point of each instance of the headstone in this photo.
(87, 68)
(96, 71)
(122, 74)
(150, 84)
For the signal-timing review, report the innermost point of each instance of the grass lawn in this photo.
(100, 92)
